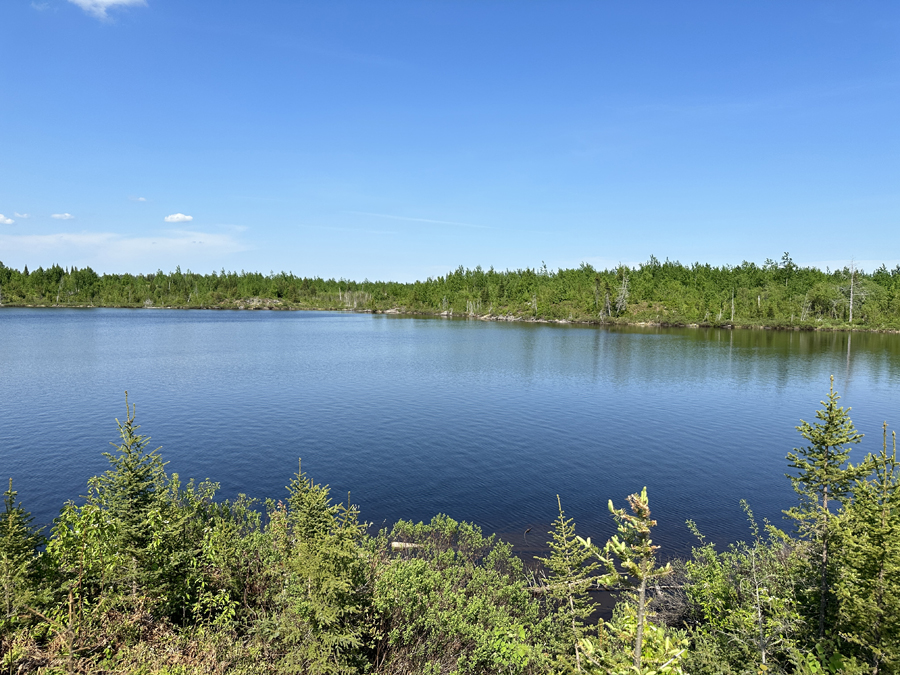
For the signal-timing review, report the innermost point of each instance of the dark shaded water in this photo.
(484, 421)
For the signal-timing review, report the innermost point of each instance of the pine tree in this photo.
(867, 588)
(571, 574)
(823, 480)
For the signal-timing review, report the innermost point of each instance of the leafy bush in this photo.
(449, 600)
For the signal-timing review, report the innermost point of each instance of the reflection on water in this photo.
(483, 421)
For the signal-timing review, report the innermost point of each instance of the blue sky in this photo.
(398, 140)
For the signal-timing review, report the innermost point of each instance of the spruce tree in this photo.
(133, 487)
(570, 575)
(867, 588)
(19, 543)
(148, 523)
(322, 618)
(824, 479)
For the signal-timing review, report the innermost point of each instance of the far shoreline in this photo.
(267, 304)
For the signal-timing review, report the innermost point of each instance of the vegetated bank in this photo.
(774, 294)
(151, 575)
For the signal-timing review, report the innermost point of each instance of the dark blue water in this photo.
(483, 421)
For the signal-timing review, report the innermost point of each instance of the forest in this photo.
(775, 294)
(149, 574)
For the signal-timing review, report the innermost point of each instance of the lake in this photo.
(484, 421)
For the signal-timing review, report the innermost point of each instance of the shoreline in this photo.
(260, 304)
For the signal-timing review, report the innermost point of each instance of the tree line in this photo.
(776, 293)
(147, 574)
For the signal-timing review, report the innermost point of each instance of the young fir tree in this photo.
(19, 542)
(868, 589)
(570, 574)
(824, 479)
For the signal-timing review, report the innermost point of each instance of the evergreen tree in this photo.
(570, 575)
(868, 589)
(823, 479)
(743, 601)
(19, 543)
(322, 620)
(134, 485)
(636, 554)
(136, 525)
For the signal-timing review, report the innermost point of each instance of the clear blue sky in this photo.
(397, 140)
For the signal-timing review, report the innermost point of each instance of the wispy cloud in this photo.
(355, 230)
(419, 220)
(112, 251)
(22, 215)
(138, 199)
(99, 8)
(62, 216)
(40, 6)
(178, 218)
(5, 221)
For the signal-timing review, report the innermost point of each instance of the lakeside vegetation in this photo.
(775, 294)
(147, 574)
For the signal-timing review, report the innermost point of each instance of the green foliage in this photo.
(133, 489)
(137, 536)
(868, 589)
(570, 573)
(449, 600)
(669, 292)
(611, 653)
(636, 555)
(823, 479)
(743, 601)
(822, 476)
(151, 576)
(19, 544)
(321, 624)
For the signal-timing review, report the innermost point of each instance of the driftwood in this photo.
(402, 545)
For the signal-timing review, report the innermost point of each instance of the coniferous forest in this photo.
(149, 574)
(775, 294)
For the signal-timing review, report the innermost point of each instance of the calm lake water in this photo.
(486, 422)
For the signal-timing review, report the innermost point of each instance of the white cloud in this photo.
(40, 6)
(138, 199)
(62, 216)
(107, 251)
(21, 215)
(178, 218)
(5, 221)
(99, 8)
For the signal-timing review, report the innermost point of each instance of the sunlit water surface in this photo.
(486, 422)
